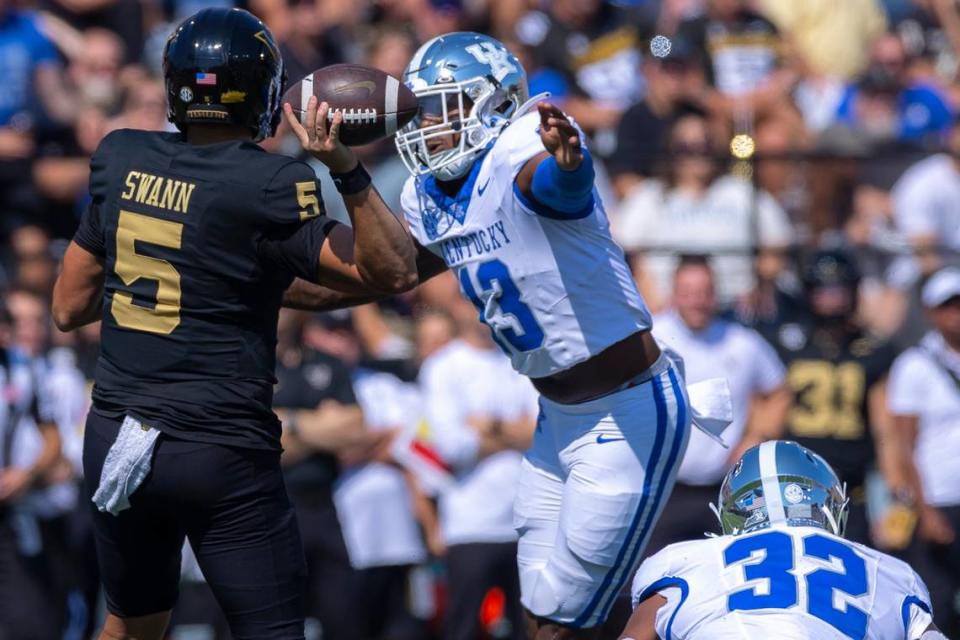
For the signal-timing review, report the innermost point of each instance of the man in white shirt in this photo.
(710, 347)
(924, 398)
(926, 206)
(480, 415)
(698, 211)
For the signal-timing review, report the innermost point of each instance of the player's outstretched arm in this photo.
(559, 181)
(78, 292)
(378, 254)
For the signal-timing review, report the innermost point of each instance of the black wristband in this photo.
(351, 182)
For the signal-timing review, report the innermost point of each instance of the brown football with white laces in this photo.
(374, 104)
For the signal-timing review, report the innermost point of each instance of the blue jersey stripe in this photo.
(672, 461)
(905, 611)
(647, 481)
(663, 583)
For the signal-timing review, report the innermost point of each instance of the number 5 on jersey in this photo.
(131, 266)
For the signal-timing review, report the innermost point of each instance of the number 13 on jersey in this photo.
(493, 291)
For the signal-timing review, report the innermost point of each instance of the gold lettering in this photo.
(143, 190)
(184, 200)
(131, 185)
(154, 199)
(170, 194)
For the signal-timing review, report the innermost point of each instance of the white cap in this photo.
(941, 286)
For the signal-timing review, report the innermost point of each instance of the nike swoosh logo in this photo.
(369, 85)
(603, 440)
(480, 190)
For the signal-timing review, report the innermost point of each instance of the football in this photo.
(374, 104)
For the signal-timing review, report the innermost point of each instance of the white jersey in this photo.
(789, 583)
(553, 291)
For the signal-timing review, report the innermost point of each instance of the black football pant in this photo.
(329, 574)
(231, 504)
(472, 571)
(32, 597)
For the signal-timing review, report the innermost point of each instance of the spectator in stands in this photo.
(376, 506)
(830, 38)
(95, 71)
(596, 45)
(122, 17)
(30, 602)
(480, 414)
(698, 210)
(641, 152)
(744, 62)
(309, 42)
(930, 33)
(318, 408)
(888, 104)
(31, 72)
(926, 208)
(144, 107)
(711, 347)
(63, 390)
(924, 398)
(837, 372)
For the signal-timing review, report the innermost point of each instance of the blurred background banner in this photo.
(783, 175)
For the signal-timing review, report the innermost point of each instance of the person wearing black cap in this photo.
(924, 399)
(836, 371)
(673, 80)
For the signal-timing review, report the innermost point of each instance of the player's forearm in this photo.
(382, 247)
(78, 291)
(314, 297)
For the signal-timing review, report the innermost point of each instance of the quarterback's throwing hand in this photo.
(560, 137)
(322, 142)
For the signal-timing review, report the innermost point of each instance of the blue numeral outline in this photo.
(776, 566)
(494, 279)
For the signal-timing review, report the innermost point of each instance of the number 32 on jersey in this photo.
(494, 293)
(768, 561)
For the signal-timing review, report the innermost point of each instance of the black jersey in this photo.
(304, 384)
(199, 244)
(831, 380)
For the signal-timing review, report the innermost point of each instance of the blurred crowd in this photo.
(783, 175)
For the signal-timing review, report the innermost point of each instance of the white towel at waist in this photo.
(126, 466)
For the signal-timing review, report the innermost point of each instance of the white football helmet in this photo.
(473, 87)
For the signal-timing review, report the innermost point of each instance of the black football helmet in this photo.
(831, 268)
(223, 66)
